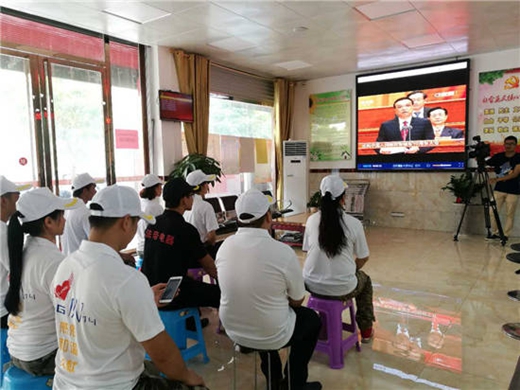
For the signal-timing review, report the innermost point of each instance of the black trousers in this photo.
(302, 344)
(3, 324)
(195, 294)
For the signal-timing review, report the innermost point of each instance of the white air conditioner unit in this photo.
(295, 175)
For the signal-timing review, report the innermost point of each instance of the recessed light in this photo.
(293, 65)
(300, 29)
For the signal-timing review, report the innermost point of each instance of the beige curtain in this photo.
(283, 109)
(193, 76)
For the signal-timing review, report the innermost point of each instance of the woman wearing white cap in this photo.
(336, 251)
(151, 205)
(32, 340)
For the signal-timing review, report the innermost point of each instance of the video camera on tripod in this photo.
(479, 151)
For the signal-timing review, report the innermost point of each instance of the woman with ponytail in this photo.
(336, 251)
(31, 339)
(151, 205)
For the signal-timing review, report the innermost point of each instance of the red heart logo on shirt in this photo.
(62, 290)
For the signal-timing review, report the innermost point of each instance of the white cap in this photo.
(196, 178)
(116, 202)
(38, 203)
(150, 180)
(7, 186)
(83, 180)
(252, 202)
(333, 184)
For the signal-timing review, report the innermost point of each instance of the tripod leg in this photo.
(493, 204)
(456, 236)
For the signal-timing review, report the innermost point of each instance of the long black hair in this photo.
(15, 235)
(332, 238)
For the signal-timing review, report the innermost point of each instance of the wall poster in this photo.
(330, 118)
(499, 106)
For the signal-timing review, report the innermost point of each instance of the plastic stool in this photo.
(16, 379)
(330, 312)
(4, 356)
(175, 324)
(247, 350)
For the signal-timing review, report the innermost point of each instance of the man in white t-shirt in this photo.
(106, 317)
(9, 194)
(202, 215)
(77, 226)
(262, 292)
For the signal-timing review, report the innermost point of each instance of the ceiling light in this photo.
(232, 44)
(136, 12)
(292, 65)
(382, 9)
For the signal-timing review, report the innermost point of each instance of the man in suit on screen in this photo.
(419, 100)
(438, 117)
(404, 127)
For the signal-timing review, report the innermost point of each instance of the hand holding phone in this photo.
(171, 289)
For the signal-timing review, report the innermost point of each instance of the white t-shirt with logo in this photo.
(32, 334)
(104, 310)
(202, 216)
(333, 276)
(150, 207)
(4, 267)
(257, 274)
(76, 229)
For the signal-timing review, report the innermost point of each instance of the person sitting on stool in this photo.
(202, 215)
(262, 292)
(337, 250)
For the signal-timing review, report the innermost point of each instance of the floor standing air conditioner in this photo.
(295, 175)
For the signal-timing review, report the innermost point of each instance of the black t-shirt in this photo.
(171, 246)
(503, 165)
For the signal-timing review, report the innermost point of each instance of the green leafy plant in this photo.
(192, 162)
(463, 187)
(315, 200)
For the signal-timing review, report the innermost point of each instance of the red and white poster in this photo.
(499, 106)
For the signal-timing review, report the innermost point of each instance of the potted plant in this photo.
(194, 161)
(463, 187)
(314, 202)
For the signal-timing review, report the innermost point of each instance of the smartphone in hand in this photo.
(171, 289)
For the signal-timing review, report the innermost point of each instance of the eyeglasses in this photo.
(509, 144)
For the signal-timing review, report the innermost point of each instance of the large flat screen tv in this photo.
(413, 119)
(175, 106)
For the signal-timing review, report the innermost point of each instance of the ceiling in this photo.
(331, 37)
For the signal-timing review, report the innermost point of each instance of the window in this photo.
(241, 137)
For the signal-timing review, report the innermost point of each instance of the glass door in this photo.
(77, 107)
(19, 157)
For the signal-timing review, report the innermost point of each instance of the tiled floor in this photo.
(439, 305)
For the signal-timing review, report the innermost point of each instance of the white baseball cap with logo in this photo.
(40, 202)
(333, 184)
(116, 202)
(151, 180)
(252, 205)
(196, 178)
(83, 180)
(7, 186)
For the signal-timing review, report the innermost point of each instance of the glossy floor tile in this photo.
(439, 306)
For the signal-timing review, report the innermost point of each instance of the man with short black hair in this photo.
(262, 292)
(106, 314)
(77, 227)
(172, 246)
(507, 185)
(438, 117)
(419, 100)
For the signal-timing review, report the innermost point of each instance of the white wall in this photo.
(417, 195)
(165, 140)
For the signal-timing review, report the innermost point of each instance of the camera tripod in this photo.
(480, 178)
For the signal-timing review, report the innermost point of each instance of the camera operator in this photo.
(507, 184)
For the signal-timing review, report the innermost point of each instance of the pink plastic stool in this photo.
(330, 312)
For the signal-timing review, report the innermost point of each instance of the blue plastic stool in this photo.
(4, 356)
(175, 324)
(16, 379)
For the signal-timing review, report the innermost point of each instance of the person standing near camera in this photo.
(507, 185)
